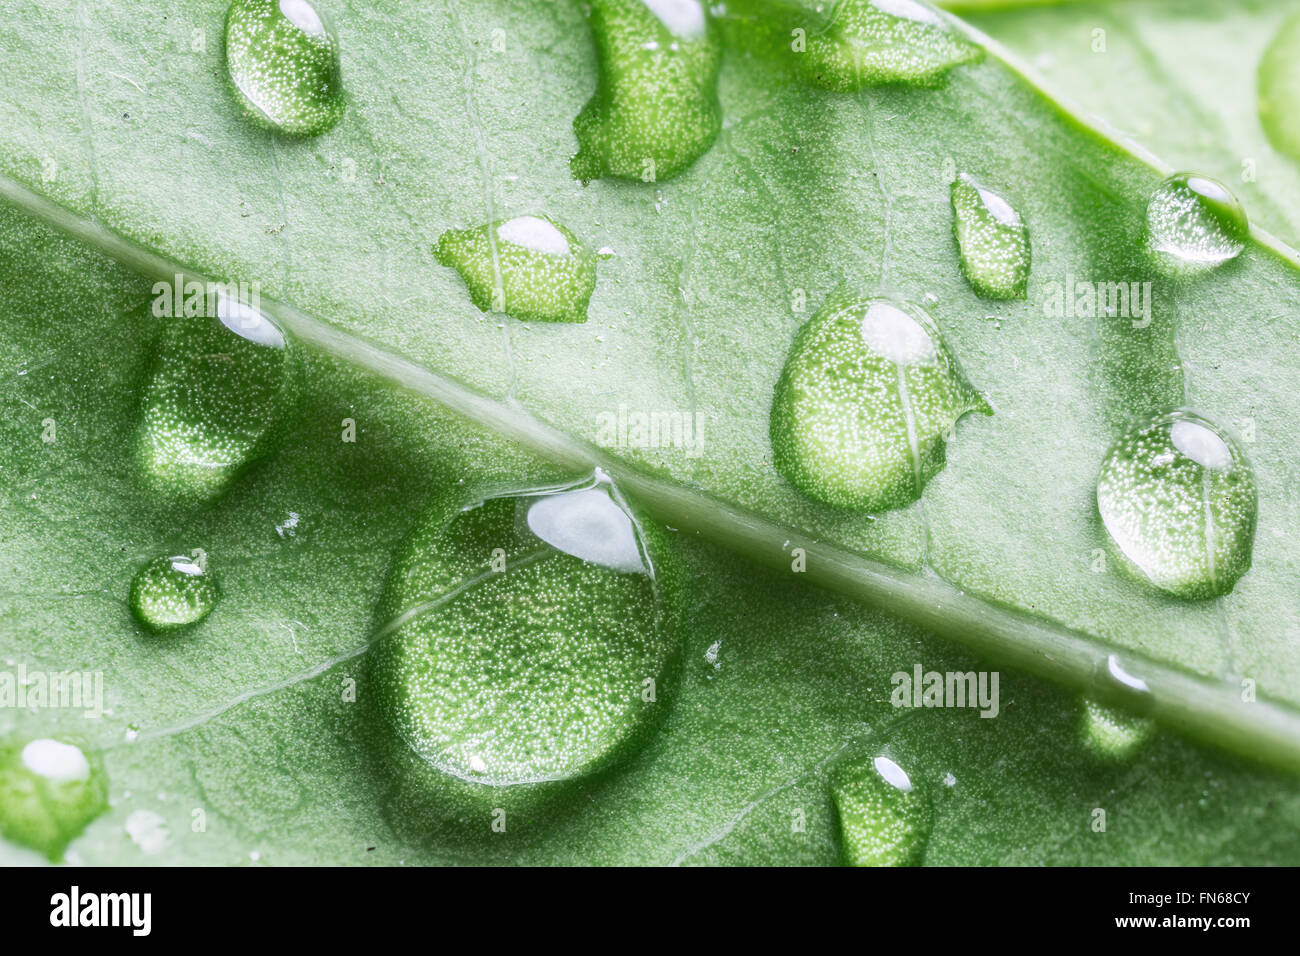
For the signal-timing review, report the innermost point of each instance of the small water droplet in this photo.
(148, 831)
(874, 42)
(1178, 498)
(994, 243)
(1113, 734)
(49, 791)
(866, 403)
(884, 819)
(282, 60)
(172, 592)
(1194, 224)
(655, 109)
(527, 267)
(1279, 89)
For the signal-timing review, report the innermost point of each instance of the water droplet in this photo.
(884, 819)
(218, 388)
(1279, 89)
(874, 42)
(527, 267)
(282, 59)
(655, 109)
(866, 402)
(171, 592)
(1113, 734)
(148, 831)
(1178, 498)
(527, 633)
(1194, 224)
(49, 791)
(994, 243)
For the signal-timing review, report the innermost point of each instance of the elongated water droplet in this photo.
(1194, 224)
(528, 635)
(655, 109)
(283, 62)
(875, 42)
(218, 389)
(1178, 498)
(527, 267)
(49, 791)
(994, 243)
(171, 592)
(884, 819)
(1113, 734)
(866, 402)
(1279, 89)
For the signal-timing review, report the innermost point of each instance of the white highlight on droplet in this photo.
(1118, 672)
(148, 831)
(304, 16)
(683, 18)
(893, 334)
(535, 233)
(908, 10)
(893, 774)
(1200, 444)
(588, 524)
(56, 761)
(247, 322)
(185, 566)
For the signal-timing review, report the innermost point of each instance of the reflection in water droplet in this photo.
(527, 633)
(1279, 89)
(993, 242)
(1194, 224)
(1113, 734)
(171, 592)
(49, 791)
(866, 402)
(655, 109)
(283, 64)
(1178, 498)
(527, 267)
(884, 819)
(875, 42)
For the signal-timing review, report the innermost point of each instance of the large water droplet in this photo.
(993, 242)
(283, 62)
(1194, 224)
(884, 819)
(527, 267)
(49, 791)
(1113, 734)
(866, 402)
(218, 389)
(1178, 497)
(171, 592)
(528, 635)
(655, 109)
(874, 42)
(1279, 89)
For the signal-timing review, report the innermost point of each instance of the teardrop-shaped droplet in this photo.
(875, 42)
(1178, 498)
(866, 402)
(884, 819)
(173, 591)
(655, 109)
(1279, 89)
(528, 635)
(1113, 734)
(283, 62)
(49, 791)
(527, 267)
(218, 389)
(993, 242)
(1194, 224)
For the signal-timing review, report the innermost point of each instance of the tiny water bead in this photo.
(1178, 498)
(876, 42)
(866, 402)
(1194, 224)
(172, 592)
(282, 59)
(527, 267)
(1113, 734)
(528, 635)
(49, 791)
(884, 820)
(993, 242)
(655, 110)
(1279, 89)
(219, 387)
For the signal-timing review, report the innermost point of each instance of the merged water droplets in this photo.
(218, 389)
(1279, 89)
(1178, 497)
(49, 791)
(528, 635)
(1194, 224)
(282, 59)
(1113, 734)
(866, 402)
(528, 267)
(655, 109)
(874, 42)
(884, 819)
(171, 592)
(993, 242)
